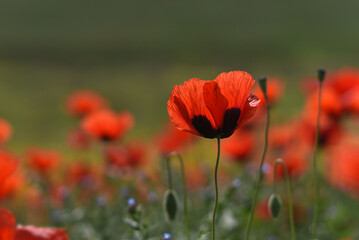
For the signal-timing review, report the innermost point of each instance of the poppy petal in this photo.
(215, 102)
(235, 86)
(7, 224)
(186, 101)
(249, 109)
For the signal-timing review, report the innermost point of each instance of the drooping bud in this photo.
(274, 205)
(321, 74)
(170, 204)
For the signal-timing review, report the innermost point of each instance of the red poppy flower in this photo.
(239, 147)
(107, 125)
(343, 165)
(261, 210)
(8, 231)
(130, 155)
(8, 165)
(78, 172)
(7, 225)
(12, 185)
(83, 102)
(172, 139)
(5, 131)
(213, 109)
(36, 233)
(344, 79)
(43, 160)
(78, 139)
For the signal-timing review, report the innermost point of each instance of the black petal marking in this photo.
(230, 121)
(204, 126)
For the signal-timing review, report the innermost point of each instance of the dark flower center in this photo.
(205, 128)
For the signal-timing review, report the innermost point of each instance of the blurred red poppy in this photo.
(239, 146)
(344, 79)
(78, 139)
(36, 233)
(8, 164)
(171, 139)
(5, 131)
(8, 231)
(83, 102)
(107, 125)
(13, 184)
(343, 165)
(213, 109)
(130, 155)
(78, 172)
(43, 160)
(262, 211)
(7, 225)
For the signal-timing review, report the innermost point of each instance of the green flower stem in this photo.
(260, 174)
(289, 190)
(216, 187)
(315, 168)
(170, 184)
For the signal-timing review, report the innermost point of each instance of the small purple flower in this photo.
(131, 202)
(166, 236)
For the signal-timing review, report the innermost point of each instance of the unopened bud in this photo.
(274, 205)
(170, 205)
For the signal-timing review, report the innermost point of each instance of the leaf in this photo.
(203, 235)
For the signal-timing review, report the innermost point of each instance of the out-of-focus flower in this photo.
(5, 131)
(213, 109)
(8, 230)
(330, 103)
(344, 79)
(239, 146)
(296, 161)
(261, 210)
(78, 139)
(8, 164)
(83, 102)
(40, 233)
(122, 157)
(107, 125)
(172, 139)
(43, 160)
(343, 165)
(7, 225)
(82, 173)
(13, 184)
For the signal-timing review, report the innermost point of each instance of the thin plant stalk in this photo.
(260, 172)
(315, 167)
(216, 187)
(170, 184)
(289, 190)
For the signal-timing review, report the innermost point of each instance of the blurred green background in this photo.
(133, 52)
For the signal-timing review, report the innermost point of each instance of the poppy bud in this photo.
(170, 205)
(263, 84)
(321, 74)
(274, 205)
